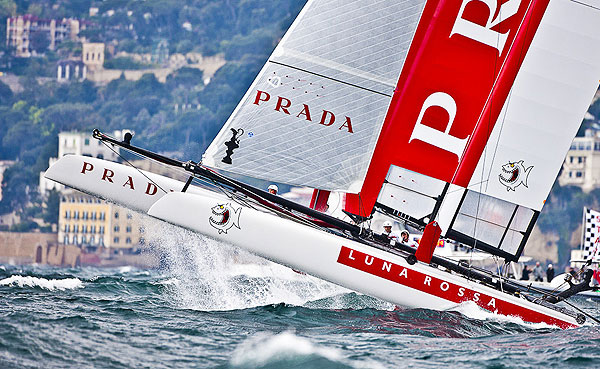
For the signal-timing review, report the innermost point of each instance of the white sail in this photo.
(314, 113)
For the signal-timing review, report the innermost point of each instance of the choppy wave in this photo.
(212, 305)
(48, 284)
(135, 319)
(280, 350)
(265, 348)
(473, 311)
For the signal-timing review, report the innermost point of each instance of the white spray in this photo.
(211, 275)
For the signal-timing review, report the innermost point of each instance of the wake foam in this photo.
(48, 284)
(284, 348)
(471, 310)
(205, 274)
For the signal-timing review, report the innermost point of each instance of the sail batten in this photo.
(347, 70)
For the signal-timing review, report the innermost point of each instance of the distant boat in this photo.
(452, 117)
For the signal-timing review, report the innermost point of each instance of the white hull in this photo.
(342, 261)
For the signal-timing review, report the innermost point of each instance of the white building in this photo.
(78, 143)
(582, 164)
(20, 29)
(92, 55)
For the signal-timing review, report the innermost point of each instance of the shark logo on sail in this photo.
(225, 217)
(514, 174)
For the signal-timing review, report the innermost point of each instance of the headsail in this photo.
(314, 113)
(489, 100)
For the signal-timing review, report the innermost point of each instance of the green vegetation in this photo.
(124, 63)
(30, 120)
(245, 31)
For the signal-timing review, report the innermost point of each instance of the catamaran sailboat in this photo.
(451, 116)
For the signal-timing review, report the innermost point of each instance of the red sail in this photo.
(460, 68)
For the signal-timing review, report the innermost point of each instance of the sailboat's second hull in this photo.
(343, 261)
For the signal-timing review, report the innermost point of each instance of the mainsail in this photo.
(314, 113)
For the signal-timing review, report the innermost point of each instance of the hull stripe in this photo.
(441, 288)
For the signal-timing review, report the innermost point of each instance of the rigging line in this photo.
(581, 311)
(410, 190)
(584, 4)
(485, 148)
(329, 78)
(489, 129)
(508, 99)
(133, 166)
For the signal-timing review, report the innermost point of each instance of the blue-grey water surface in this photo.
(212, 306)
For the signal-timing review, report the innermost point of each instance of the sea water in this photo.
(214, 306)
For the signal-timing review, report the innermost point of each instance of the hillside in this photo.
(244, 32)
(36, 107)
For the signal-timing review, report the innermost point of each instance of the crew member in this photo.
(405, 239)
(273, 189)
(387, 231)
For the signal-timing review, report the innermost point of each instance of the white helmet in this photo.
(405, 231)
(387, 223)
(273, 187)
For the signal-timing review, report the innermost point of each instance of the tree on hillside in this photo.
(15, 189)
(259, 42)
(50, 214)
(561, 215)
(67, 117)
(6, 94)
(39, 42)
(191, 78)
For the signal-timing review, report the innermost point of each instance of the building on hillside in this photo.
(21, 30)
(92, 55)
(582, 163)
(71, 70)
(79, 143)
(92, 59)
(91, 223)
